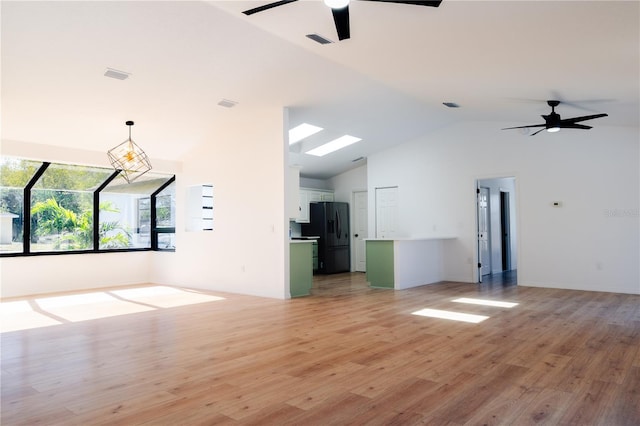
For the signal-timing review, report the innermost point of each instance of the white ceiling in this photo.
(386, 84)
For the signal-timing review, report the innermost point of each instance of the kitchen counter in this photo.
(401, 263)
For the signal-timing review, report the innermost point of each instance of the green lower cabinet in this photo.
(380, 272)
(300, 269)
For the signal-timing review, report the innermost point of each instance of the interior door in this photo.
(360, 227)
(386, 212)
(484, 249)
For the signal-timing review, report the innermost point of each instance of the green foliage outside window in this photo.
(75, 231)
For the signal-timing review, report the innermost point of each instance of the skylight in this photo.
(334, 145)
(302, 131)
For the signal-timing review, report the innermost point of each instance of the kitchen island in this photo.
(300, 267)
(404, 262)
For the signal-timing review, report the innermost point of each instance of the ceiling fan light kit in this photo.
(553, 122)
(336, 4)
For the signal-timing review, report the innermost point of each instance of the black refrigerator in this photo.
(330, 221)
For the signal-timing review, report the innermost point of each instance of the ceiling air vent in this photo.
(451, 104)
(319, 39)
(227, 103)
(118, 75)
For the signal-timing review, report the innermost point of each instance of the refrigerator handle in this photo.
(338, 224)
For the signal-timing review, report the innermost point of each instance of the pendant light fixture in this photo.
(129, 158)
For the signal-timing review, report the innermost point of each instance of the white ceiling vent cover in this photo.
(227, 103)
(118, 75)
(319, 39)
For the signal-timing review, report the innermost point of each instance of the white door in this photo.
(386, 212)
(484, 250)
(360, 229)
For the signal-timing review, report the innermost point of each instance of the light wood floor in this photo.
(346, 355)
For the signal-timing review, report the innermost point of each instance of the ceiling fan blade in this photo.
(267, 6)
(535, 133)
(434, 3)
(341, 18)
(583, 118)
(525, 127)
(574, 126)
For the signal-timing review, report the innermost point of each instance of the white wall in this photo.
(346, 183)
(31, 275)
(591, 243)
(246, 252)
(306, 182)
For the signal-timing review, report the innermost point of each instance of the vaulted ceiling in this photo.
(499, 60)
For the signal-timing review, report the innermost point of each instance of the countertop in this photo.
(410, 239)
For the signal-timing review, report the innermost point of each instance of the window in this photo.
(165, 214)
(15, 174)
(125, 211)
(57, 208)
(62, 207)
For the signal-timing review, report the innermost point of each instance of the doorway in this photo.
(496, 230)
(484, 232)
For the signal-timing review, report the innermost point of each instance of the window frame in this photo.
(155, 230)
(26, 233)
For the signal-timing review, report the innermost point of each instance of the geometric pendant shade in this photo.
(129, 158)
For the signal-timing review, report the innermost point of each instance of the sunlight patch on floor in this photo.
(88, 306)
(164, 297)
(19, 315)
(38, 312)
(485, 302)
(450, 315)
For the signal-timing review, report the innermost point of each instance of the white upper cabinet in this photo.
(293, 188)
(308, 196)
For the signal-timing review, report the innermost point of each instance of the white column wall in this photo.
(246, 251)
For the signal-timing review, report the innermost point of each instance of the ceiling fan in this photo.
(553, 122)
(340, 10)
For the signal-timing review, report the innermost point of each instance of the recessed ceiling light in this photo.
(302, 131)
(118, 75)
(334, 145)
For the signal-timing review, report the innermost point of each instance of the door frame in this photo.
(354, 229)
(515, 235)
(481, 261)
(505, 229)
